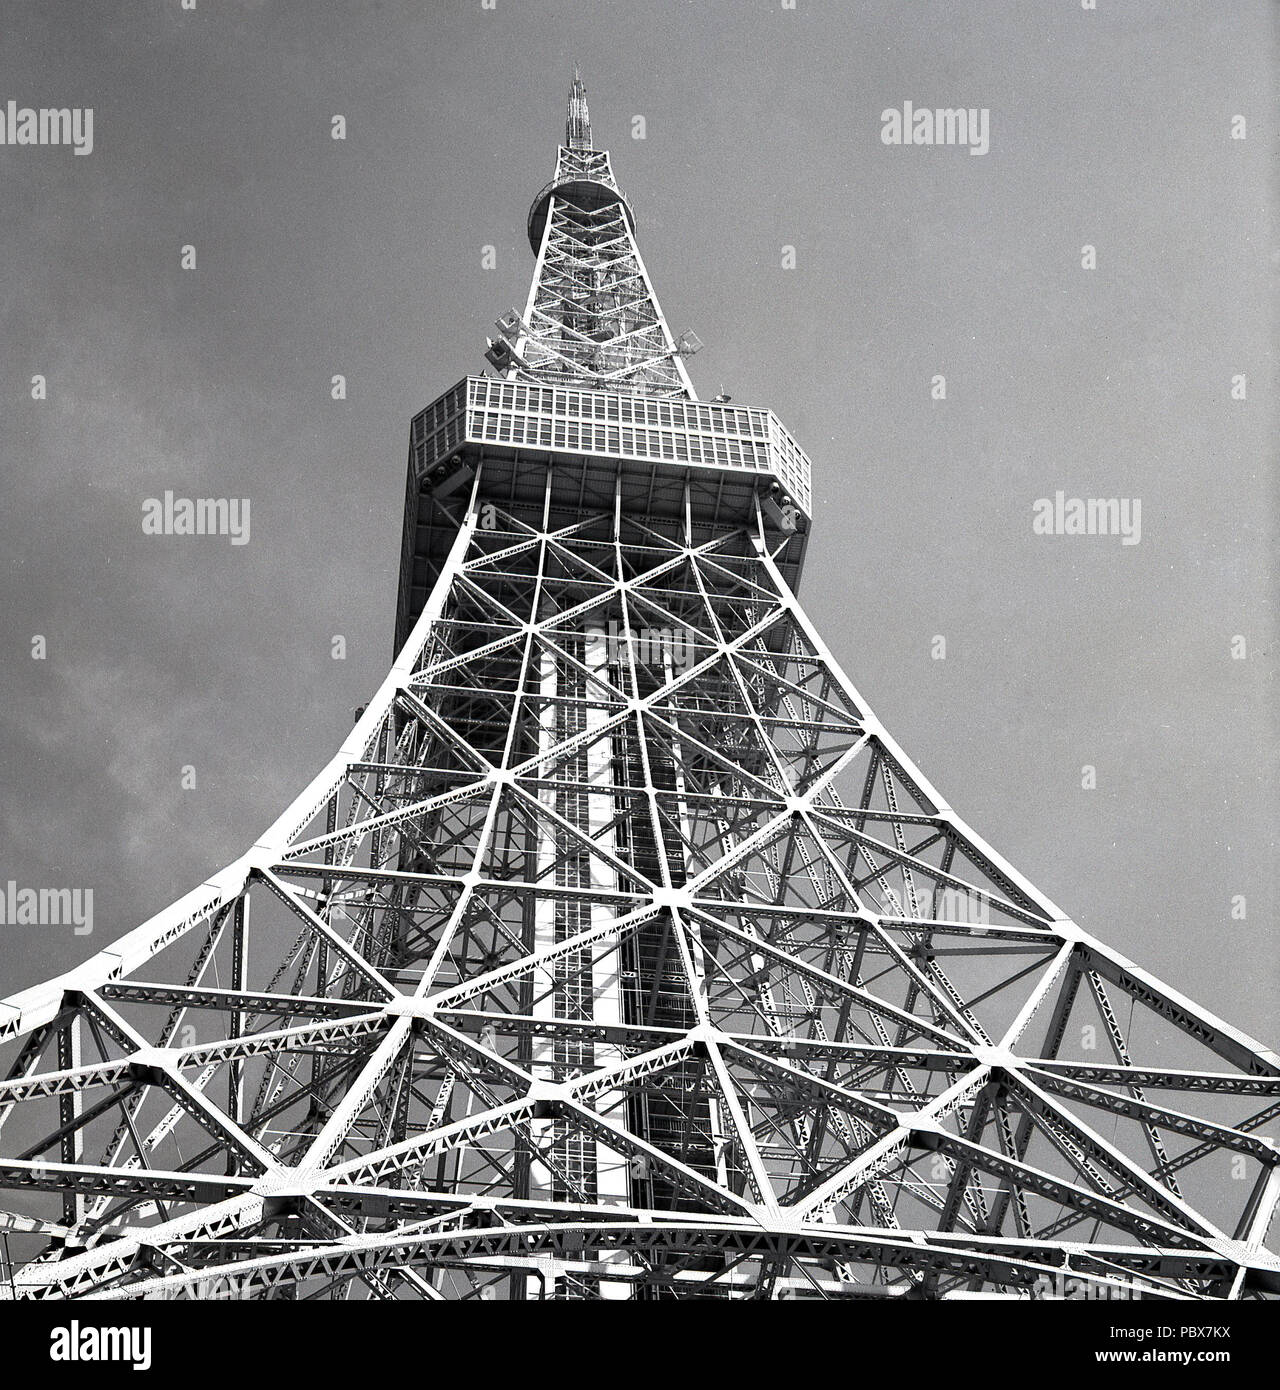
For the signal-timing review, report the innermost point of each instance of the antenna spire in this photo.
(577, 127)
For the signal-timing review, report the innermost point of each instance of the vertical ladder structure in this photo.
(620, 952)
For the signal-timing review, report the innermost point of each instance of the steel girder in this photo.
(846, 1048)
(620, 953)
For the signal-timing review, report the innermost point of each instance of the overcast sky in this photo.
(762, 127)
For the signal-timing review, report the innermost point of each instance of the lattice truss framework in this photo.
(601, 964)
(592, 317)
(620, 953)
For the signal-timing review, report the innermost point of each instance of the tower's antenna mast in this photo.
(577, 126)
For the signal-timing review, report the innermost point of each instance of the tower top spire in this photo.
(592, 318)
(577, 126)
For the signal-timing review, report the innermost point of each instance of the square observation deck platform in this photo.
(595, 443)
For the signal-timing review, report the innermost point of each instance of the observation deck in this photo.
(595, 443)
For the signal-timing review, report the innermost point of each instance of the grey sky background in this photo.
(364, 258)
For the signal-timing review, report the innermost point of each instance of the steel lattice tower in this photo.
(620, 952)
